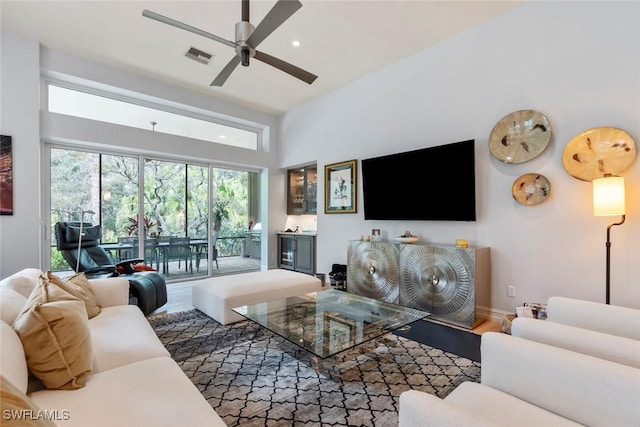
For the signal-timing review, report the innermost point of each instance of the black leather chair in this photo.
(148, 288)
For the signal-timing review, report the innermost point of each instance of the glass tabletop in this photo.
(330, 321)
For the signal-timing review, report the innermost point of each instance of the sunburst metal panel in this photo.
(441, 280)
(372, 270)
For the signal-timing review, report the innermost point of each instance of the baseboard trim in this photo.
(491, 314)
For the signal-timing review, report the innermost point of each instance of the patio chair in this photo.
(82, 250)
(126, 253)
(203, 252)
(179, 248)
(151, 255)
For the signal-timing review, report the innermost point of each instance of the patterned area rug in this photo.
(252, 377)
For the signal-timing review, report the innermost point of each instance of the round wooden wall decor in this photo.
(520, 136)
(531, 189)
(598, 151)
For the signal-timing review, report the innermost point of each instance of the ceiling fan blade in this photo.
(296, 72)
(165, 20)
(279, 13)
(226, 71)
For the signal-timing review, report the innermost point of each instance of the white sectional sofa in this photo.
(594, 316)
(133, 380)
(601, 330)
(525, 383)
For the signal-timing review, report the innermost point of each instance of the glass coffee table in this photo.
(329, 322)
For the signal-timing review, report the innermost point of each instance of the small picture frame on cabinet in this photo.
(375, 234)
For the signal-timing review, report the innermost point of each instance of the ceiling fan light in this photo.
(245, 54)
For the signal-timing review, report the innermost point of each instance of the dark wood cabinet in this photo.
(297, 252)
(302, 193)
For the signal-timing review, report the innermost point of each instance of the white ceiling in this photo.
(341, 40)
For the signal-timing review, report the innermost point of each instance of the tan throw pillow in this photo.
(78, 286)
(54, 330)
(16, 409)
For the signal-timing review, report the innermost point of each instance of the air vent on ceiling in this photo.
(198, 55)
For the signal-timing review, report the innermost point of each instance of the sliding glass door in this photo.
(190, 218)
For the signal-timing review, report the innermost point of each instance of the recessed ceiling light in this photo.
(295, 43)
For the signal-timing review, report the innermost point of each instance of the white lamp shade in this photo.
(608, 196)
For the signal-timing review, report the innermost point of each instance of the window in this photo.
(94, 107)
(176, 202)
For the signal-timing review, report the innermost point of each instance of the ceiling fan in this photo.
(248, 38)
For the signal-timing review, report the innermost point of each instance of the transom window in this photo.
(94, 107)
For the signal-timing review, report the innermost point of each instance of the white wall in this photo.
(19, 106)
(22, 236)
(576, 62)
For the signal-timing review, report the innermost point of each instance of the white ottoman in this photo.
(216, 296)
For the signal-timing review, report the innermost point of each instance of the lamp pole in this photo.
(608, 244)
(80, 239)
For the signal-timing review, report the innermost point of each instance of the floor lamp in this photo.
(608, 200)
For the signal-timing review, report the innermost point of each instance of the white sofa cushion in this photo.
(585, 389)
(420, 409)
(499, 407)
(152, 392)
(473, 404)
(11, 303)
(23, 282)
(605, 346)
(13, 363)
(122, 335)
(609, 319)
(111, 291)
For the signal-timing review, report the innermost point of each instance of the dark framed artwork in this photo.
(6, 176)
(340, 187)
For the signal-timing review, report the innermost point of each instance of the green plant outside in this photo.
(176, 198)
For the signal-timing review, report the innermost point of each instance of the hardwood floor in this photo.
(179, 299)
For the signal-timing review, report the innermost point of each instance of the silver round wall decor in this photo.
(531, 189)
(597, 151)
(520, 136)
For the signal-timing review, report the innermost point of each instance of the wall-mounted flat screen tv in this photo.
(433, 184)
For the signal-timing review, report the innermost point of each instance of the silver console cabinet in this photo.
(451, 283)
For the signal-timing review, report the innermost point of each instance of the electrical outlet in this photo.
(511, 291)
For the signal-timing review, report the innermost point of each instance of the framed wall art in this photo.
(6, 176)
(340, 187)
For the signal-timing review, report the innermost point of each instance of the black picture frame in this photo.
(6, 175)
